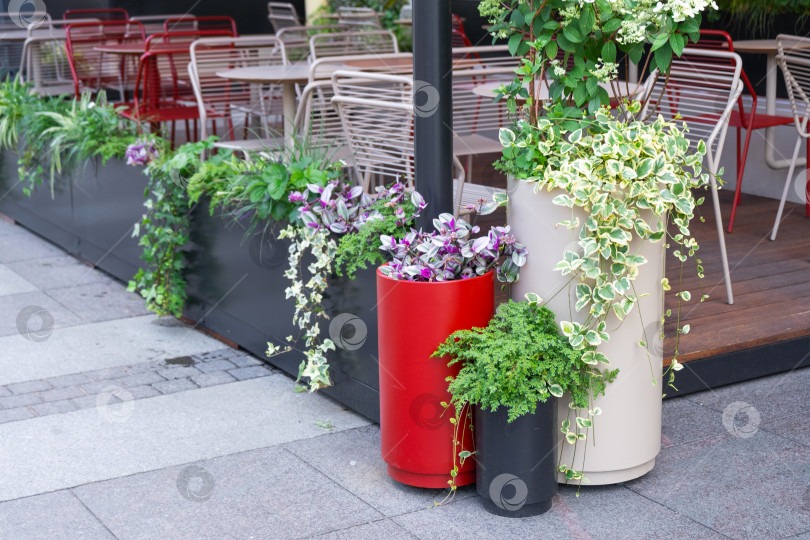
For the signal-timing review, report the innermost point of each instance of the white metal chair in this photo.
(377, 114)
(794, 59)
(45, 64)
(352, 43)
(155, 24)
(237, 104)
(282, 15)
(702, 89)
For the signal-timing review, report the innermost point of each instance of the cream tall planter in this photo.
(627, 435)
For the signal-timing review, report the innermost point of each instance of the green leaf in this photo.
(609, 52)
(676, 41)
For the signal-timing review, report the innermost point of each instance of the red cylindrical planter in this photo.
(414, 319)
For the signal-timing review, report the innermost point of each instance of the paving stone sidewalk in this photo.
(116, 425)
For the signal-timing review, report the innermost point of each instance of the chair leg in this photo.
(786, 188)
(721, 237)
(807, 185)
(741, 160)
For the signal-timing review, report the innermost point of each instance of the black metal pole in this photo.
(433, 106)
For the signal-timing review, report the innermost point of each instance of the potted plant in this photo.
(512, 371)
(601, 196)
(438, 282)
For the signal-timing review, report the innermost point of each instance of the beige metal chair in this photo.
(396, 63)
(702, 90)
(318, 127)
(359, 18)
(45, 64)
(477, 119)
(377, 114)
(296, 40)
(352, 43)
(239, 106)
(11, 49)
(794, 60)
(282, 15)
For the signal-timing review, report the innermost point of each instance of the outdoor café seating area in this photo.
(339, 83)
(455, 238)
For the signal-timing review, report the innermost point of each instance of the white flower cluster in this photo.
(680, 10)
(646, 17)
(605, 71)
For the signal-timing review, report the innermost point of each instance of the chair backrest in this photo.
(19, 20)
(359, 18)
(155, 24)
(474, 114)
(701, 89)
(218, 97)
(318, 127)
(721, 40)
(45, 64)
(296, 39)
(111, 14)
(216, 23)
(348, 43)
(57, 27)
(282, 15)
(396, 63)
(458, 37)
(376, 111)
(794, 59)
(94, 70)
(155, 86)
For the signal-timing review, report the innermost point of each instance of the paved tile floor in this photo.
(114, 424)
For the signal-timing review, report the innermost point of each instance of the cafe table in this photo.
(285, 76)
(769, 49)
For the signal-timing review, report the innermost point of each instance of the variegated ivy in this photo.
(308, 295)
(630, 179)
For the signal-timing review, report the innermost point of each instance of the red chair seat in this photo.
(761, 121)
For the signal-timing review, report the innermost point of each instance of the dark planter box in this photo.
(516, 474)
(235, 284)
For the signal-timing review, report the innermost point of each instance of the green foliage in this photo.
(54, 134)
(517, 360)
(756, 17)
(360, 249)
(576, 44)
(163, 231)
(630, 179)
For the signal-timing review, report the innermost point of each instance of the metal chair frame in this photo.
(794, 60)
(702, 89)
(349, 43)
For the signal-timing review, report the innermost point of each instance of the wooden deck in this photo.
(770, 280)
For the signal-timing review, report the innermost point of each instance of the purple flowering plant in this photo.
(453, 251)
(142, 152)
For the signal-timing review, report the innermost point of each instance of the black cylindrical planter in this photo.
(515, 462)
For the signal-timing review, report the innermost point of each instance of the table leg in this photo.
(288, 99)
(770, 109)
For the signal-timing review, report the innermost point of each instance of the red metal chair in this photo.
(740, 119)
(112, 14)
(217, 23)
(458, 37)
(94, 70)
(156, 102)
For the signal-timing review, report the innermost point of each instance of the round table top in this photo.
(291, 74)
(755, 46)
(405, 22)
(138, 48)
(488, 89)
